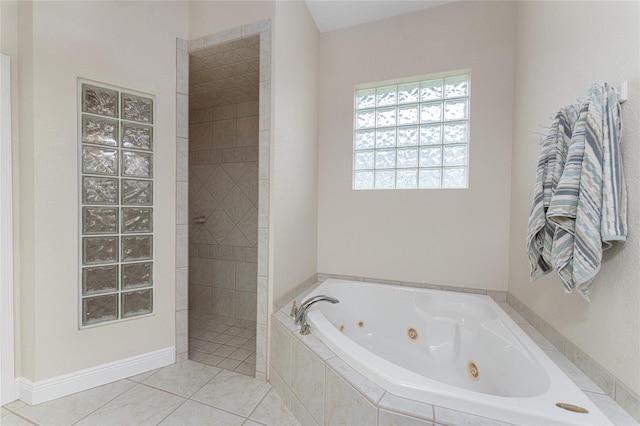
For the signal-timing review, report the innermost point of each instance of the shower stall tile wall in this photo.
(223, 209)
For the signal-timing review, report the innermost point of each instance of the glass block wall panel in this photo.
(135, 275)
(407, 179)
(364, 180)
(137, 248)
(137, 108)
(99, 250)
(99, 220)
(98, 130)
(137, 136)
(97, 190)
(365, 139)
(408, 136)
(136, 164)
(365, 98)
(137, 192)
(99, 100)
(99, 279)
(115, 136)
(385, 179)
(408, 93)
(412, 134)
(99, 309)
(135, 303)
(137, 220)
(99, 161)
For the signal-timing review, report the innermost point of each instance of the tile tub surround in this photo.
(223, 195)
(605, 380)
(594, 371)
(186, 393)
(320, 388)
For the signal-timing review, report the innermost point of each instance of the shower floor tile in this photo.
(223, 342)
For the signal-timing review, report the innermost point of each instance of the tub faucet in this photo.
(301, 312)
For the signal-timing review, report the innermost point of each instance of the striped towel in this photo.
(550, 166)
(584, 199)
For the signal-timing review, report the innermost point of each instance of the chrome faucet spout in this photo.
(301, 313)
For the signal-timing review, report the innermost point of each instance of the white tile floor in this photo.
(224, 342)
(186, 393)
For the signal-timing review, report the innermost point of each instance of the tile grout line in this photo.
(113, 399)
(219, 408)
(190, 398)
(258, 404)
(25, 418)
(172, 411)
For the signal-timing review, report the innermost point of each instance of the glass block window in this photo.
(116, 203)
(412, 134)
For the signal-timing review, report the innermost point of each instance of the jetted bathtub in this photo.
(450, 349)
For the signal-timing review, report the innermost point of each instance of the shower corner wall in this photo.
(223, 210)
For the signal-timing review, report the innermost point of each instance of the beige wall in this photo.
(25, 170)
(294, 152)
(9, 47)
(210, 17)
(581, 43)
(126, 46)
(420, 235)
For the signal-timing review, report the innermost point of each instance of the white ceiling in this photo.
(330, 15)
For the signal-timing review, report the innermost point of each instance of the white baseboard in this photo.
(67, 384)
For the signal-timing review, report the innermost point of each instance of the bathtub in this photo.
(455, 350)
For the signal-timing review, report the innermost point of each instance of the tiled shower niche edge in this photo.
(116, 167)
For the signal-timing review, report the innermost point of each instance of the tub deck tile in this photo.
(453, 417)
(578, 377)
(365, 386)
(281, 351)
(611, 409)
(421, 285)
(313, 343)
(308, 379)
(283, 390)
(344, 405)
(389, 418)
(515, 316)
(301, 413)
(537, 337)
(286, 321)
(407, 406)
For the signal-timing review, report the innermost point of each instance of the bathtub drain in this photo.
(473, 371)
